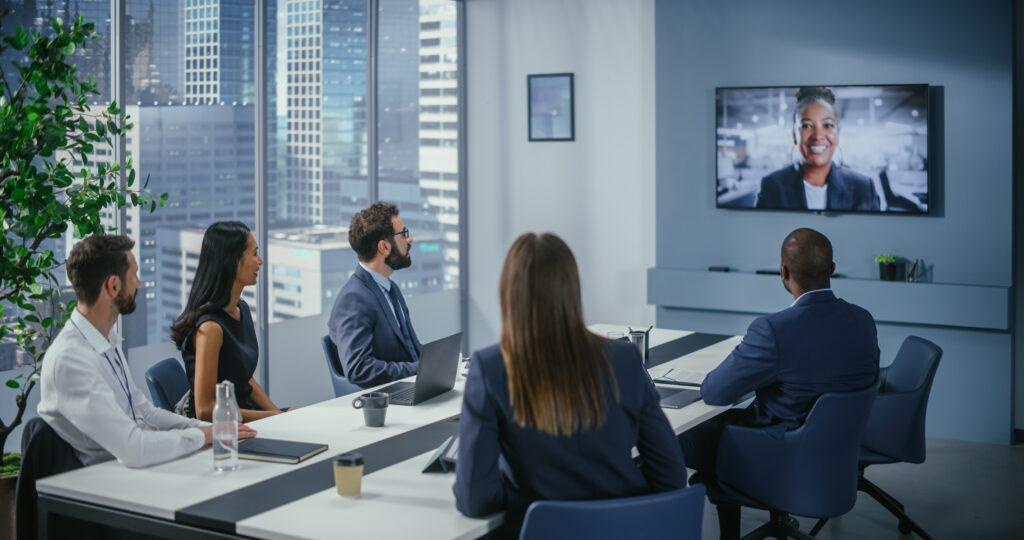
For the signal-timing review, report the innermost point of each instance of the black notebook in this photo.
(277, 450)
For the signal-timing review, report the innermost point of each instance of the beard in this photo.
(397, 261)
(125, 304)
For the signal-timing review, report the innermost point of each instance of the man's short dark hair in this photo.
(93, 260)
(808, 255)
(369, 227)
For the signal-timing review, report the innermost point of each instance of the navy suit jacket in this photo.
(847, 190)
(368, 338)
(820, 344)
(593, 464)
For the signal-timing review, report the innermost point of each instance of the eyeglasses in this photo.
(404, 232)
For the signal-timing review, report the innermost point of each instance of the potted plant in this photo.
(888, 267)
(46, 125)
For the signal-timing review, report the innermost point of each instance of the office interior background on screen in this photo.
(882, 129)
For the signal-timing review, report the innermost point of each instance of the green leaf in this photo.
(131, 178)
(68, 49)
(13, 384)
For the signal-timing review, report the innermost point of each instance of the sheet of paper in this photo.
(671, 375)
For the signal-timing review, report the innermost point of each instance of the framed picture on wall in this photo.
(550, 107)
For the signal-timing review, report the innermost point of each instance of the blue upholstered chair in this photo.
(167, 383)
(341, 384)
(810, 471)
(895, 429)
(673, 514)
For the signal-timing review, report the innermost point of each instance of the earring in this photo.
(842, 160)
(794, 156)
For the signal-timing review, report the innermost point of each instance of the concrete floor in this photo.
(963, 490)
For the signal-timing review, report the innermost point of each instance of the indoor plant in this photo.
(46, 125)
(888, 267)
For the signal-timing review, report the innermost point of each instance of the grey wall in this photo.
(597, 192)
(966, 51)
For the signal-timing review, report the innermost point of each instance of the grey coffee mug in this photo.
(374, 406)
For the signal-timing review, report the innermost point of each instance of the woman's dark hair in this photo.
(557, 370)
(809, 94)
(370, 226)
(224, 244)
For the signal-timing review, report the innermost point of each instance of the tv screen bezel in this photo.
(929, 144)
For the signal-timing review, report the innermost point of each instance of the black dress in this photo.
(239, 353)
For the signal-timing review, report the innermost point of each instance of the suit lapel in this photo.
(795, 191)
(382, 302)
(838, 192)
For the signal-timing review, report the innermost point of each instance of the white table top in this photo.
(423, 503)
(160, 490)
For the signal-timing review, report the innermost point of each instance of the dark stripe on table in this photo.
(682, 347)
(223, 512)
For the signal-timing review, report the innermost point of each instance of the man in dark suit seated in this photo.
(819, 344)
(370, 322)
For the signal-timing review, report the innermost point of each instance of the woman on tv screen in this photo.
(816, 182)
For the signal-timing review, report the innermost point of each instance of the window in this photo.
(190, 72)
(413, 119)
(202, 163)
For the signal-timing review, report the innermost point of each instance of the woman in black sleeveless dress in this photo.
(215, 332)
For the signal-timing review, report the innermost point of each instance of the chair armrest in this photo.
(753, 460)
(895, 426)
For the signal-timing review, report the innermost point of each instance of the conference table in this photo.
(186, 498)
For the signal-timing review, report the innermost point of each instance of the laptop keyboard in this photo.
(404, 395)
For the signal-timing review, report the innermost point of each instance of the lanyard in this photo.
(124, 388)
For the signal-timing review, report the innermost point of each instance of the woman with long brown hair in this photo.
(560, 407)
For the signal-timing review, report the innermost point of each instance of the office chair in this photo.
(167, 383)
(893, 200)
(895, 428)
(342, 386)
(673, 514)
(810, 471)
(43, 453)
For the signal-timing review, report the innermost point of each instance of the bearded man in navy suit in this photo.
(370, 322)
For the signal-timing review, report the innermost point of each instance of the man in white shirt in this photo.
(87, 393)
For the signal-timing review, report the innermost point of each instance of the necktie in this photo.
(402, 323)
(393, 294)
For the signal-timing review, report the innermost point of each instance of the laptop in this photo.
(439, 361)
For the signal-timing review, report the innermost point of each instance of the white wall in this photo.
(597, 193)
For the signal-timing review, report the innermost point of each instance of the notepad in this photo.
(680, 377)
(277, 450)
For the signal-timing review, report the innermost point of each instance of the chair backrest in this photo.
(812, 470)
(342, 386)
(896, 426)
(167, 383)
(673, 514)
(43, 453)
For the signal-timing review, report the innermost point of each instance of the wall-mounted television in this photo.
(823, 148)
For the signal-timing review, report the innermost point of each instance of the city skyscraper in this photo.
(220, 53)
(325, 111)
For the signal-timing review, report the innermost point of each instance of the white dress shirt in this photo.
(88, 397)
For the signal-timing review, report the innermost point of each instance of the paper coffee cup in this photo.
(348, 474)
